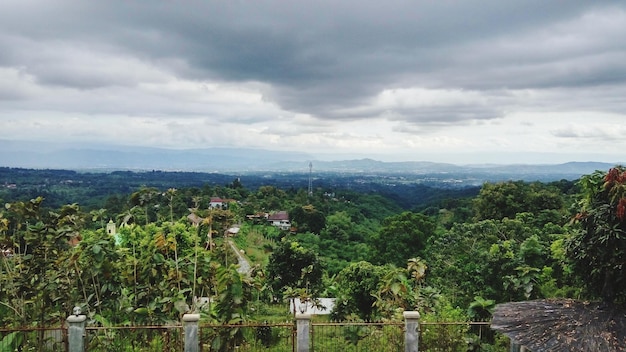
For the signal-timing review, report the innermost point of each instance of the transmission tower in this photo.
(310, 178)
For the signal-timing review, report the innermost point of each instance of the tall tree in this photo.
(307, 218)
(402, 237)
(495, 259)
(35, 281)
(597, 249)
(358, 284)
(506, 199)
(294, 266)
(170, 193)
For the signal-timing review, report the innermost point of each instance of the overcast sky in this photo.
(453, 81)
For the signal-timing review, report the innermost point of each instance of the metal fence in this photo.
(459, 336)
(135, 338)
(33, 339)
(279, 337)
(356, 336)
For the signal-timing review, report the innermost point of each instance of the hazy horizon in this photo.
(45, 152)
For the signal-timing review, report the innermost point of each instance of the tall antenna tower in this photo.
(310, 178)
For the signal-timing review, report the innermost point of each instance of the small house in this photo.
(216, 202)
(280, 220)
(194, 219)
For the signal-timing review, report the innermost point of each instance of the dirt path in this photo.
(244, 265)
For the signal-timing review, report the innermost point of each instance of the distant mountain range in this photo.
(41, 155)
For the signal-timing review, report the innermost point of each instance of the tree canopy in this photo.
(401, 237)
(597, 248)
(506, 199)
(293, 266)
(514, 241)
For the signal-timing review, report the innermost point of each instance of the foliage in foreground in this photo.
(519, 244)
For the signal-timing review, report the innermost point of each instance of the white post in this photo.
(411, 331)
(190, 327)
(303, 321)
(76, 332)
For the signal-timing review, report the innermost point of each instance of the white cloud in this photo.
(15, 85)
(412, 79)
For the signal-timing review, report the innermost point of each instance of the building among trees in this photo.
(280, 219)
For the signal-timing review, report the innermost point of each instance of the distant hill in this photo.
(435, 173)
(41, 155)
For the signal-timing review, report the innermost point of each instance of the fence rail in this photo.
(279, 337)
(134, 338)
(33, 339)
(357, 336)
(456, 336)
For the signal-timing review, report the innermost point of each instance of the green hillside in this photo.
(453, 258)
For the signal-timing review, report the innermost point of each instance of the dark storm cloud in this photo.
(324, 58)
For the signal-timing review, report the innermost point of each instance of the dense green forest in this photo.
(451, 256)
(92, 189)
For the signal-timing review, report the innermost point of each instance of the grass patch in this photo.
(272, 313)
(255, 245)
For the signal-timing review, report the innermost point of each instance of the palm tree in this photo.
(98, 215)
(196, 201)
(208, 220)
(170, 196)
(128, 217)
(144, 198)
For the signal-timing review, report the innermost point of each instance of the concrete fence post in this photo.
(303, 322)
(191, 330)
(411, 331)
(76, 332)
